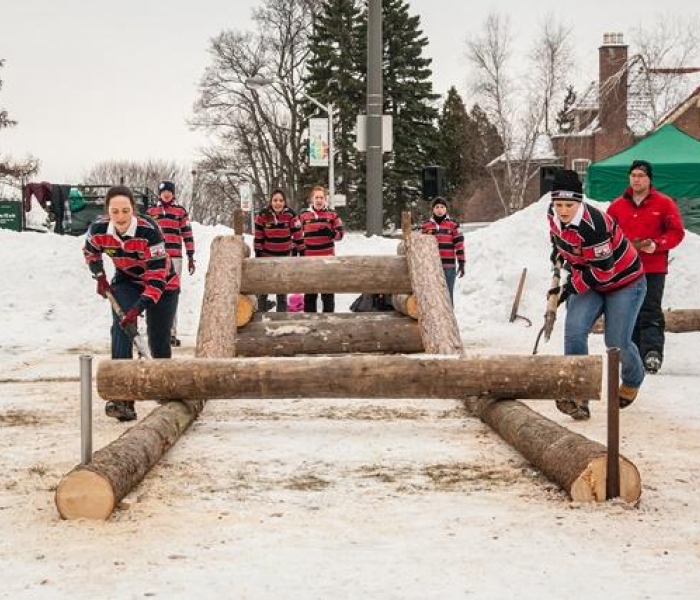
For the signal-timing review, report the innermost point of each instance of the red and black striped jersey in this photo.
(138, 255)
(278, 234)
(449, 238)
(321, 229)
(599, 255)
(174, 221)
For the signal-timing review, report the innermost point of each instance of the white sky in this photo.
(98, 80)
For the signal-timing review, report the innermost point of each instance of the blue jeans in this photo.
(620, 308)
(450, 276)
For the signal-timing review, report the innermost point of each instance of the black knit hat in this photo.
(166, 186)
(567, 186)
(438, 200)
(641, 165)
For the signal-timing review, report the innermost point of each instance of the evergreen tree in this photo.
(334, 76)
(484, 144)
(454, 151)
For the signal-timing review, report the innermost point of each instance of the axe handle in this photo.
(134, 335)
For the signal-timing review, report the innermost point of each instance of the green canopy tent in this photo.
(675, 159)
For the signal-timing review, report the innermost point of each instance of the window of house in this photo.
(580, 165)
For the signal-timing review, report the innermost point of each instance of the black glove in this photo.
(460, 270)
(258, 253)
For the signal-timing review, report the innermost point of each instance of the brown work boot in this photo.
(577, 409)
(628, 394)
(121, 410)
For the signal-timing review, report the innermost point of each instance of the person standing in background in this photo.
(321, 228)
(450, 242)
(652, 222)
(174, 222)
(277, 233)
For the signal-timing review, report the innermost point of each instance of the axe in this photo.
(131, 331)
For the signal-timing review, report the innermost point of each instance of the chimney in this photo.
(612, 91)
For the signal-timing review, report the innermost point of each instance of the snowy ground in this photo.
(329, 498)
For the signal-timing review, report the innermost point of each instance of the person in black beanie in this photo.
(450, 242)
(652, 221)
(605, 278)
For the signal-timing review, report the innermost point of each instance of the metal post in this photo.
(612, 481)
(331, 156)
(375, 164)
(85, 409)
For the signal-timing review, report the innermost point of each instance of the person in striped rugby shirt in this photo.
(605, 278)
(144, 280)
(450, 242)
(174, 221)
(322, 228)
(277, 233)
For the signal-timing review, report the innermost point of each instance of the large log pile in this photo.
(94, 490)
(573, 461)
(354, 376)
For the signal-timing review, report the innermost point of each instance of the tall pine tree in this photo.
(453, 150)
(333, 76)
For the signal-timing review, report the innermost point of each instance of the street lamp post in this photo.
(254, 83)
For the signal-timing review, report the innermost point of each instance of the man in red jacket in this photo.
(652, 222)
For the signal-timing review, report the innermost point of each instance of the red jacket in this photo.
(657, 218)
(174, 222)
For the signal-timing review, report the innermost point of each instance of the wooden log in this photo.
(326, 274)
(94, 490)
(362, 333)
(354, 376)
(437, 321)
(406, 304)
(569, 459)
(682, 320)
(247, 305)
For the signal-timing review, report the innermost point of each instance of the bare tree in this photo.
(142, 174)
(521, 107)
(663, 55)
(258, 136)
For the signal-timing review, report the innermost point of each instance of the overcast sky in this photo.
(92, 80)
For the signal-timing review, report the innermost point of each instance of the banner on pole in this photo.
(246, 192)
(318, 142)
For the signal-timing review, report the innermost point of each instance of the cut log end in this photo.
(247, 305)
(589, 486)
(84, 494)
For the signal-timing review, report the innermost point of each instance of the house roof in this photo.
(543, 152)
(693, 99)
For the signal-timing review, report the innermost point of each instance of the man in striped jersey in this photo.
(144, 279)
(606, 278)
(175, 224)
(277, 233)
(321, 228)
(450, 242)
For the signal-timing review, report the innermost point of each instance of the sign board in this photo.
(339, 200)
(387, 133)
(11, 215)
(246, 192)
(318, 142)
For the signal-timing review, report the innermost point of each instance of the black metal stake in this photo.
(612, 481)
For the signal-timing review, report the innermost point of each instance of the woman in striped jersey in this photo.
(277, 233)
(322, 228)
(450, 242)
(144, 279)
(605, 278)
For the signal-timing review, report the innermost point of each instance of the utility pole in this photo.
(375, 106)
